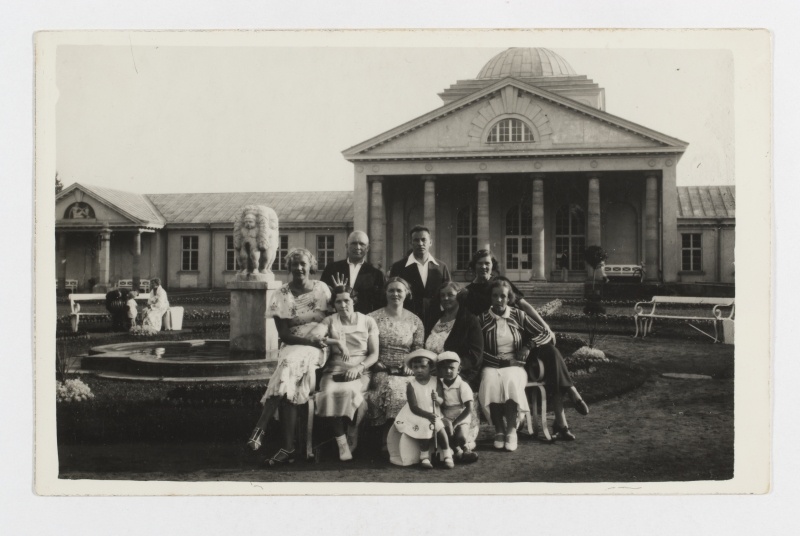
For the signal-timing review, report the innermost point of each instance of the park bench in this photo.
(75, 307)
(144, 284)
(625, 270)
(646, 312)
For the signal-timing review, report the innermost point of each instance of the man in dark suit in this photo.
(424, 273)
(366, 280)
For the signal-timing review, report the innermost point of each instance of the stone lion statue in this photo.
(255, 239)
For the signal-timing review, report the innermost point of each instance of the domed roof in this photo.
(526, 63)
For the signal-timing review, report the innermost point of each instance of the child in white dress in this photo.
(420, 418)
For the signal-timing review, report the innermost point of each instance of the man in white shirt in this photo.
(422, 272)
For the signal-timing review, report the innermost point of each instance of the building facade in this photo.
(524, 160)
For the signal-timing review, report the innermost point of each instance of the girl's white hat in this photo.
(420, 353)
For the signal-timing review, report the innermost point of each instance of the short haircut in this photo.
(400, 280)
(450, 285)
(297, 252)
(481, 253)
(342, 289)
(155, 281)
(504, 283)
(350, 236)
(418, 229)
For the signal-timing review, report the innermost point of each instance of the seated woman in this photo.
(157, 305)
(299, 306)
(454, 329)
(352, 339)
(399, 333)
(509, 336)
(478, 300)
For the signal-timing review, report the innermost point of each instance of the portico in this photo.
(528, 171)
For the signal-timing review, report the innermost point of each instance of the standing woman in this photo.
(352, 338)
(400, 332)
(157, 305)
(299, 306)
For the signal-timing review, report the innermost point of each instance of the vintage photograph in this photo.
(308, 258)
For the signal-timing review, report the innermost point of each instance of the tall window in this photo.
(571, 234)
(691, 252)
(189, 252)
(324, 250)
(230, 254)
(283, 249)
(519, 243)
(466, 236)
(510, 131)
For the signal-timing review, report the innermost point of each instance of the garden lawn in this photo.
(664, 430)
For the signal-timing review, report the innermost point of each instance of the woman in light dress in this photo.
(299, 306)
(352, 339)
(157, 305)
(400, 332)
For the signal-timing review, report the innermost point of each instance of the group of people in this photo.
(407, 353)
(125, 311)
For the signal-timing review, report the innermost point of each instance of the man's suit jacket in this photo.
(422, 297)
(368, 285)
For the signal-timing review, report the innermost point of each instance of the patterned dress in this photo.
(397, 337)
(294, 375)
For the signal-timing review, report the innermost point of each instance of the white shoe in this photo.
(511, 442)
(499, 441)
(448, 459)
(344, 450)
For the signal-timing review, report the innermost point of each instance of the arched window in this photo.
(571, 234)
(466, 235)
(519, 243)
(510, 131)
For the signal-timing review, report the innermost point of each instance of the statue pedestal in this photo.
(252, 328)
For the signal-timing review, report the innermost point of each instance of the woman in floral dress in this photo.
(298, 308)
(400, 332)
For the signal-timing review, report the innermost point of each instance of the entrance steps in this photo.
(550, 290)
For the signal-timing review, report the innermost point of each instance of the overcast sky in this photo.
(159, 119)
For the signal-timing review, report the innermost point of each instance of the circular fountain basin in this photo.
(178, 360)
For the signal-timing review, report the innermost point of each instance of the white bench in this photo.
(144, 284)
(645, 313)
(75, 307)
(625, 270)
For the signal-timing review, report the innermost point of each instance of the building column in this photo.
(537, 250)
(651, 227)
(593, 221)
(61, 257)
(484, 241)
(104, 261)
(377, 224)
(137, 255)
(429, 204)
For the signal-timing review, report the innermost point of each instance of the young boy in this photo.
(457, 406)
(133, 310)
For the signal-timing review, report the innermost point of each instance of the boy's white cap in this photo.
(449, 356)
(420, 353)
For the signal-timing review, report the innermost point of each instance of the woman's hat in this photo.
(449, 356)
(420, 353)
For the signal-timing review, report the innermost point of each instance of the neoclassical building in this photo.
(525, 160)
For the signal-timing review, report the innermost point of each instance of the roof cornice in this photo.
(409, 126)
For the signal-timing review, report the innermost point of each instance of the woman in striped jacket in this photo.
(509, 337)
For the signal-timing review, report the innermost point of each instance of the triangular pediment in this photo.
(560, 125)
(87, 206)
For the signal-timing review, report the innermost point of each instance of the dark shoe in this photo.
(581, 407)
(468, 457)
(255, 439)
(281, 457)
(562, 434)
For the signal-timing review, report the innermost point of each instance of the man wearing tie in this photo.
(366, 280)
(424, 273)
